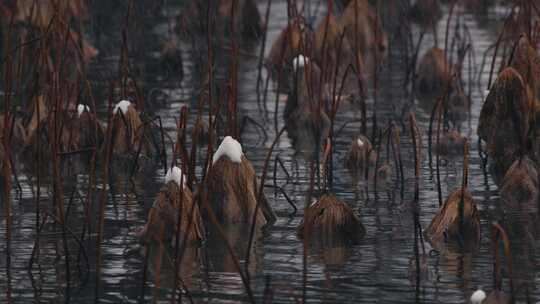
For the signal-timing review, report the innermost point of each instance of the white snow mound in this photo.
(478, 297)
(82, 108)
(231, 148)
(123, 106)
(300, 61)
(174, 174)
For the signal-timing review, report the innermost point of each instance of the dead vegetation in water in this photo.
(231, 187)
(445, 226)
(130, 134)
(526, 62)
(330, 219)
(296, 39)
(163, 216)
(243, 15)
(232, 190)
(458, 219)
(360, 157)
(505, 119)
(83, 131)
(307, 122)
(334, 53)
(434, 75)
(54, 16)
(519, 187)
(497, 295)
(365, 32)
(451, 143)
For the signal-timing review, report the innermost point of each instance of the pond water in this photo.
(375, 270)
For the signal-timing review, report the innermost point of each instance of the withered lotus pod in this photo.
(458, 107)
(451, 143)
(306, 88)
(306, 121)
(327, 39)
(457, 220)
(162, 223)
(527, 62)
(434, 76)
(332, 52)
(384, 173)
(505, 119)
(329, 219)
(82, 131)
(364, 30)
(360, 157)
(128, 131)
(519, 188)
(296, 39)
(233, 187)
(445, 226)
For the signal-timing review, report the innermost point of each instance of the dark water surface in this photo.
(376, 270)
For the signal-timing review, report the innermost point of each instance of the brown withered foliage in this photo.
(129, 133)
(330, 28)
(201, 131)
(40, 14)
(519, 188)
(306, 88)
(458, 106)
(330, 219)
(82, 132)
(39, 113)
(297, 38)
(434, 75)
(527, 62)
(171, 60)
(334, 52)
(506, 117)
(18, 134)
(306, 121)
(445, 226)
(247, 19)
(163, 216)
(360, 157)
(364, 31)
(451, 143)
(232, 190)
